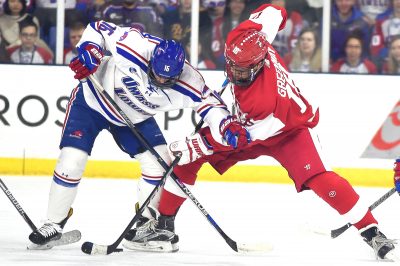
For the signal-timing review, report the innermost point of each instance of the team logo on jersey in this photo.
(151, 89)
(133, 88)
(76, 134)
(122, 95)
(123, 36)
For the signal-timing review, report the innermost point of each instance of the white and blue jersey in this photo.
(124, 76)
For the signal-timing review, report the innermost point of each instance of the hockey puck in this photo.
(87, 247)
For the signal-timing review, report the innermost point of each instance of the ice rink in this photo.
(247, 212)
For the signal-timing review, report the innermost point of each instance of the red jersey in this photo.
(271, 107)
(272, 103)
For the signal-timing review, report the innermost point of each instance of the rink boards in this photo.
(353, 108)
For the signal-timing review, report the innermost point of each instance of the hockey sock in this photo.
(341, 196)
(67, 175)
(172, 197)
(169, 203)
(152, 172)
(144, 188)
(368, 219)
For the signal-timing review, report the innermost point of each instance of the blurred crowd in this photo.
(365, 34)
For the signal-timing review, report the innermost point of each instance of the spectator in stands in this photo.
(131, 13)
(4, 57)
(252, 5)
(306, 56)
(387, 26)
(46, 12)
(92, 9)
(214, 45)
(1, 7)
(75, 33)
(177, 22)
(346, 18)
(373, 8)
(14, 13)
(234, 14)
(354, 62)
(162, 6)
(286, 39)
(204, 62)
(392, 62)
(313, 13)
(28, 52)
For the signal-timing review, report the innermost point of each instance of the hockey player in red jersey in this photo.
(280, 122)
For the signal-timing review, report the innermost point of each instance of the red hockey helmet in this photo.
(244, 55)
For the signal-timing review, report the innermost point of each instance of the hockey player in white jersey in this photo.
(145, 75)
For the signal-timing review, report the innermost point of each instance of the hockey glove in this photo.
(234, 133)
(397, 175)
(88, 60)
(191, 149)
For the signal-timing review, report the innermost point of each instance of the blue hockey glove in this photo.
(234, 133)
(88, 60)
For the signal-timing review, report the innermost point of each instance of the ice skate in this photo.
(49, 231)
(382, 246)
(154, 235)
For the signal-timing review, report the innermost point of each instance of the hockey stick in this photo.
(94, 249)
(337, 232)
(233, 244)
(223, 87)
(17, 205)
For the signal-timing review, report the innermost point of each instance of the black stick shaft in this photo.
(17, 205)
(337, 232)
(201, 122)
(113, 247)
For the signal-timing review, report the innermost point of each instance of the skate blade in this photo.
(66, 239)
(151, 246)
(392, 256)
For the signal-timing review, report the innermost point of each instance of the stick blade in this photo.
(337, 232)
(94, 249)
(246, 248)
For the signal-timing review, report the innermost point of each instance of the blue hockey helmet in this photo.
(166, 63)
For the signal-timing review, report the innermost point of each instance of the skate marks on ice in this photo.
(249, 213)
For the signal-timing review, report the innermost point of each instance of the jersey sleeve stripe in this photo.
(204, 110)
(186, 92)
(134, 58)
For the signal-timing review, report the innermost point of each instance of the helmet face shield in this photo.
(241, 76)
(161, 81)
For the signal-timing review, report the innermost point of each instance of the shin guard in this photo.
(340, 195)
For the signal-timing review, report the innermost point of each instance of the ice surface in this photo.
(247, 212)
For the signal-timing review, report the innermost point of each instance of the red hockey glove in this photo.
(88, 60)
(397, 175)
(191, 149)
(234, 133)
